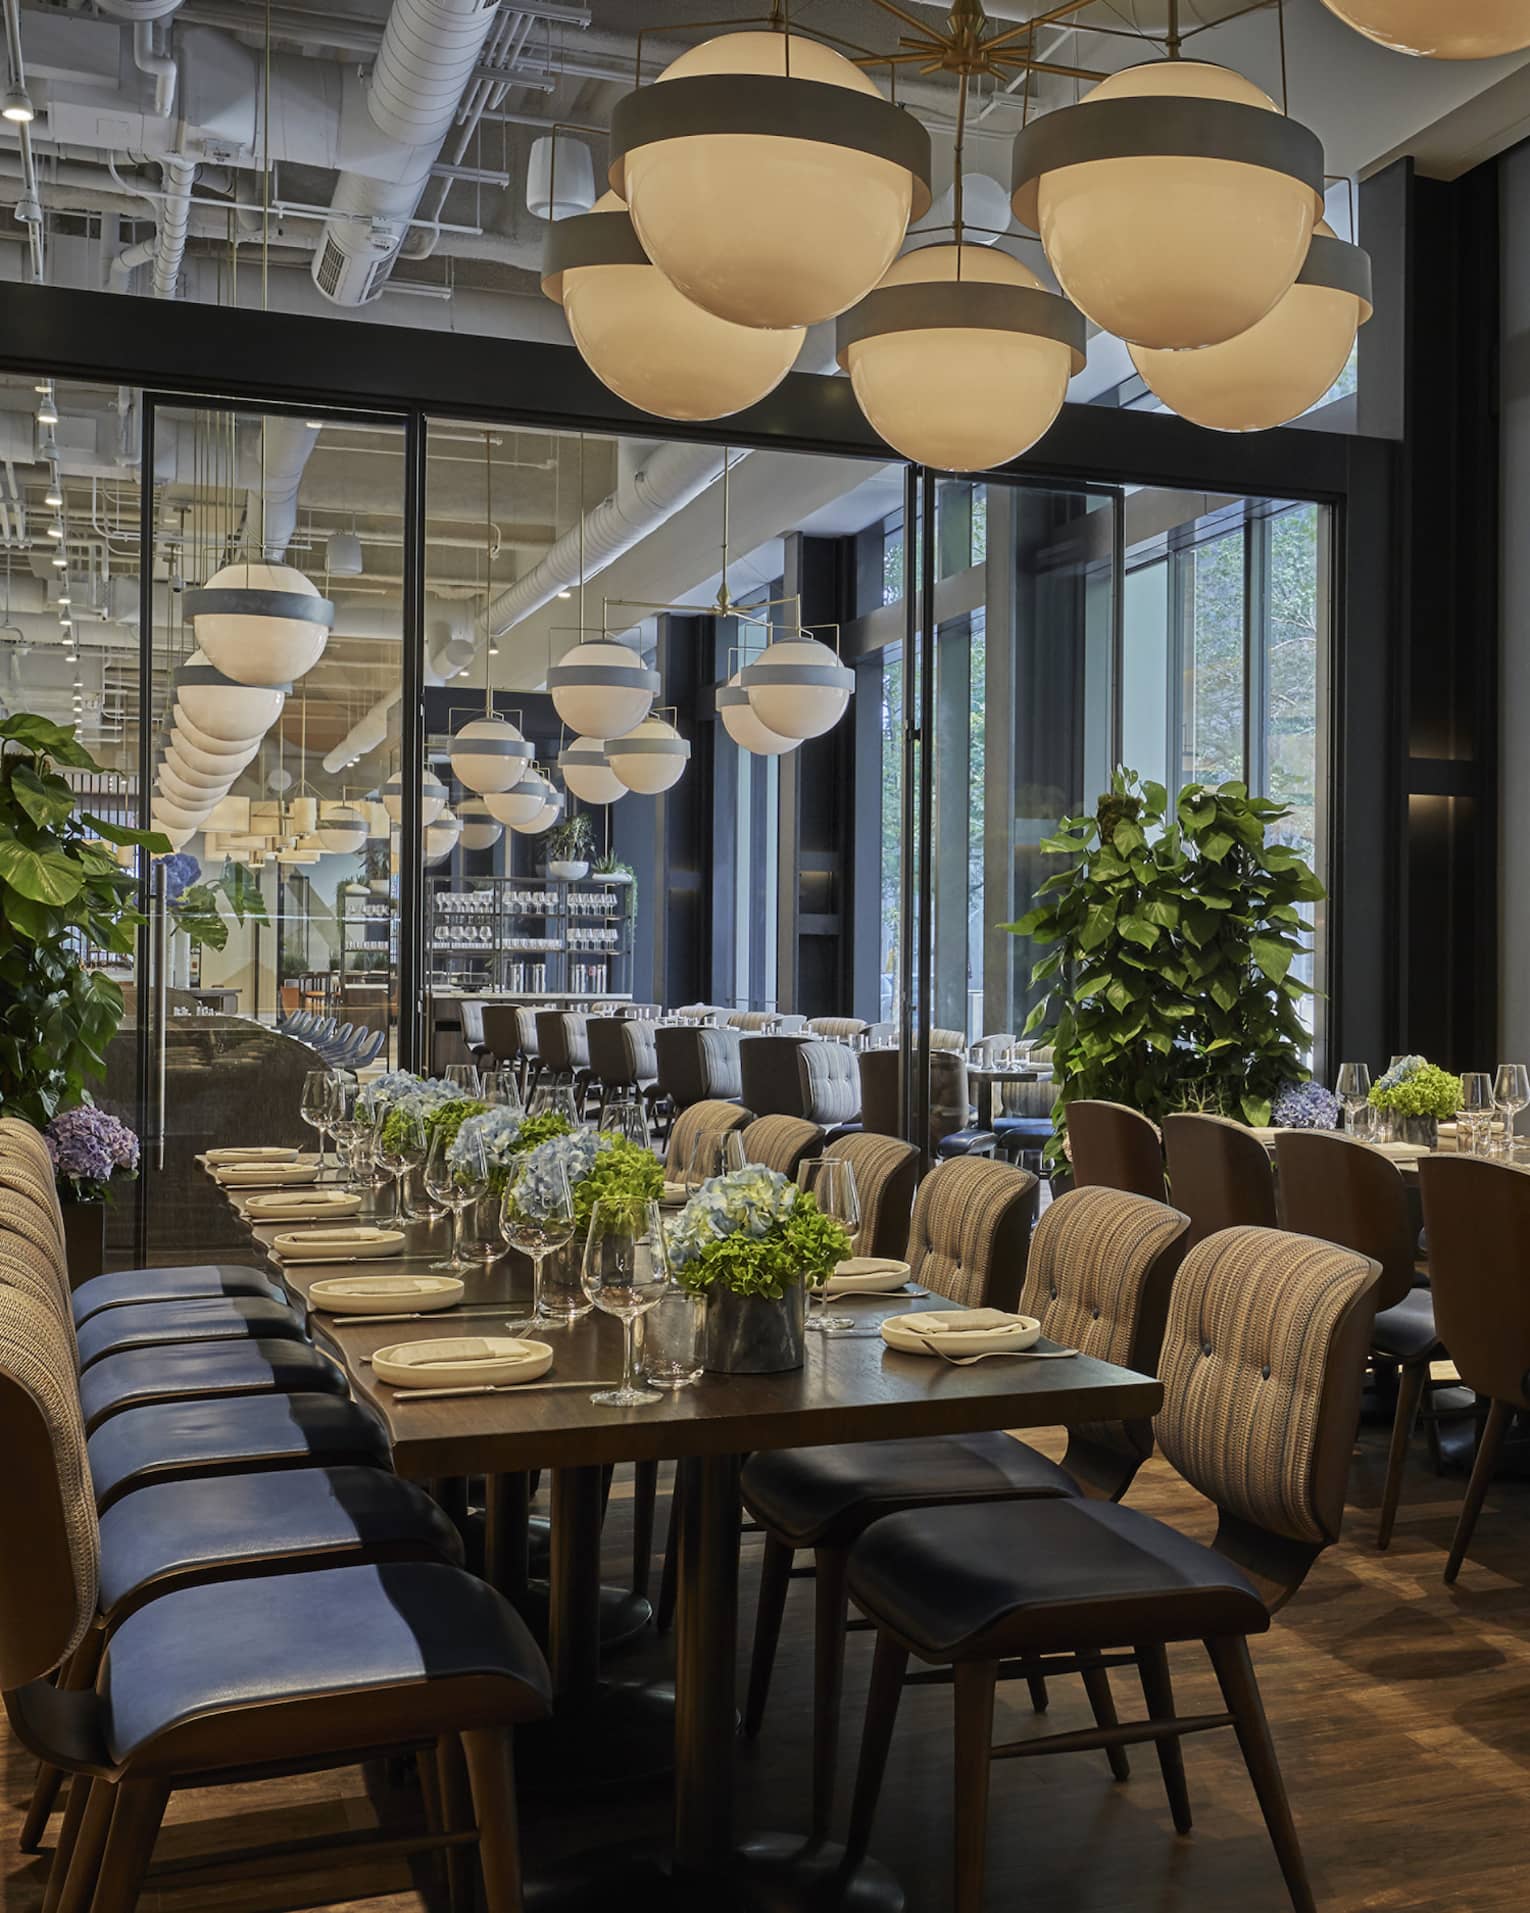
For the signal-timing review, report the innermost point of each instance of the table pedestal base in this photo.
(769, 1873)
(622, 1733)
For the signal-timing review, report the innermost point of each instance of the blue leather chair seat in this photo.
(192, 1439)
(168, 1285)
(1044, 1577)
(1406, 1331)
(182, 1532)
(206, 1318)
(219, 1676)
(253, 1365)
(814, 1497)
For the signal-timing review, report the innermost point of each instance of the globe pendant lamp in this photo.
(1282, 366)
(164, 813)
(489, 753)
(961, 358)
(193, 773)
(546, 817)
(1440, 29)
(602, 689)
(225, 706)
(587, 771)
(650, 758)
(187, 795)
(183, 731)
(433, 795)
(743, 725)
(342, 829)
(1174, 201)
(441, 837)
(481, 830)
(260, 623)
(518, 806)
(797, 687)
(644, 340)
(768, 179)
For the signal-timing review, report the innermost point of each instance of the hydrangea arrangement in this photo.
(88, 1148)
(1305, 1106)
(436, 1102)
(181, 871)
(755, 1233)
(507, 1135)
(394, 1086)
(1414, 1087)
(599, 1168)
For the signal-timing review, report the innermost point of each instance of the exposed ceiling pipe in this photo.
(28, 207)
(450, 648)
(148, 55)
(287, 444)
(174, 216)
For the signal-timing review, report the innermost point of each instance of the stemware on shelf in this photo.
(831, 1180)
(402, 1145)
(1353, 1089)
(456, 1185)
(626, 1271)
(1511, 1093)
(1474, 1121)
(536, 1216)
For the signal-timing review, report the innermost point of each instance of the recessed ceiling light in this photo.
(565, 593)
(47, 411)
(63, 597)
(314, 424)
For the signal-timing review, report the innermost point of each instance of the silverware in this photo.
(987, 1354)
(501, 1309)
(493, 1388)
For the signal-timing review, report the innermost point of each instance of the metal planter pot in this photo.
(1422, 1131)
(751, 1335)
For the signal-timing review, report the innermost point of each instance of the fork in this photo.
(987, 1354)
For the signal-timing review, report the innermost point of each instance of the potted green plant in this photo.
(568, 847)
(752, 1243)
(1414, 1095)
(1175, 926)
(620, 876)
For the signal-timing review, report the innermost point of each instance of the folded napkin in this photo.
(382, 1285)
(873, 1265)
(963, 1322)
(357, 1232)
(266, 1152)
(466, 1348)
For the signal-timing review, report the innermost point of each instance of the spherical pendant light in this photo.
(769, 181)
(645, 341)
(1174, 201)
(342, 829)
(961, 358)
(433, 796)
(602, 689)
(193, 774)
(190, 796)
(260, 623)
(546, 817)
(651, 758)
(167, 815)
(224, 706)
(798, 687)
(441, 837)
(481, 830)
(743, 725)
(1283, 365)
(184, 731)
(587, 771)
(1440, 29)
(519, 805)
(489, 754)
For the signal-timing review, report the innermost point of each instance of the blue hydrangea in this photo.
(537, 1185)
(394, 1086)
(88, 1147)
(1400, 1071)
(181, 871)
(747, 1201)
(1305, 1106)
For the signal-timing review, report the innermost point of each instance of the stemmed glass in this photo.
(831, 1180)
(626, 1272)
(346, 1122)
(402, 1146)
(315, 1108)
(714, 1156)
(1511, 1092)
(1474, 1128)
(464, 1078)
(456, 1185)
(1353, 1089)
(501, 1090)
(536, 1216)
(556, 1099)
(626, 1119)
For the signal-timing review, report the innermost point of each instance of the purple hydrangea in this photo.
(88, 1148)
(181, 871)
(1305, 1106)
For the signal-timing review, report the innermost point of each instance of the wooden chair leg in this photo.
(139, 1809)
(645, 1497)
(456, 1797)
(68, 1835)
(775, 1579)
(887, 1672)
(1158, 1692)
(74, 1872)
(1240, 1691)
(1489, 1442)
(1410, 1392)
(1040, 1699)
(831, 1605)
(1097, 1686)
(78, 1675)
(492, 1774)
(974, 1755)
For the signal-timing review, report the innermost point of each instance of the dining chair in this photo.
(969, 1241)
(1346, 1192)
(949, 1040)
(697, 1065)
(1113, 1147)
(830, 1084)
(1261, 1370)
(781, 1143)
(623, 1059)
(771, 1079)
(564, 1047)
(1219, 1174)
(709, 1121)
(886, 1172)
(839, 1029)
(1476, 1217)
(881, 1072)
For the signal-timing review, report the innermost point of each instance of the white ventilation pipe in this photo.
(450, 648)
(179, 176)
(288, 444)
(148, 56)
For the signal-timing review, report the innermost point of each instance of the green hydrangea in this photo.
(625, 1174)
(1425, 1091)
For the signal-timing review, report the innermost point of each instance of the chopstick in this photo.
(493, 1388)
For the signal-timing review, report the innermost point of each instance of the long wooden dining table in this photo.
(851, 1387)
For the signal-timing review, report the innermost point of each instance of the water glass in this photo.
(670, 1338)
(1474, 1123)
(831, 1181)
(464, 1078)
(456, 1178)
(1511, 1094)
(346, 1122)
(556, 1099)
(625, 1273)
(1353, 1089)
(501, 1090)
(536, 1216)
(626, 1119)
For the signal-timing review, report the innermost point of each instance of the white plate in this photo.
(355, 1242)
(385, 1294)
(868, 1275)
(464, 1361)
(675, 1192)
(301, 1205)
(903, 1332)
(221, 1157)
(267, 1175)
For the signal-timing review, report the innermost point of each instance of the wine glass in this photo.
(1474, 1125)
(625, 1273)
(831, 1182)
(1511, 1092)
(456, 1178)
(626, 1119)
(536, 1216)
(714, 1156)
(402, 1146)
(346, 1120)
(315, 1107)
(556, 1099)
(464, 1078)
(1353, 1089)
(501, 1090)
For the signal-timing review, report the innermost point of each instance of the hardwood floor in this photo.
(1401, 1712)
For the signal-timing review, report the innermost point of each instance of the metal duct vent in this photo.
(350, 279)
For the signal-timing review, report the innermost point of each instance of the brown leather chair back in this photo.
(1261, 1368)
(1113, 1147)
(697, 1065)
(1477, 1217)
(881, 1095)
(950, 1100)
(621, 1052)
(972, 1230)
(771, 1078)
(502, 1031)
(1343, 1191)
(886, 1174)
(563, 1041)
(1102, 1265)
(711, 1120)
(1219, 1174)
(782, 1142)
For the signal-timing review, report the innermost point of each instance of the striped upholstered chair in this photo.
(709, 1120)
(1261, 1368)
(781, 1142)
(886, 1174)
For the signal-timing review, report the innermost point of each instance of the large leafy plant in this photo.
(1175, 928)
(198, 909)
(61, 894)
